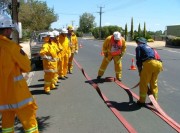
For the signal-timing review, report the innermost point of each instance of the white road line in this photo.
(130, 54)
(172, 51)
(96, 45)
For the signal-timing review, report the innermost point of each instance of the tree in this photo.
(139, 30)
(35, 15)
(86, 22)
(132, 29)
(126, 32)
(144, 31)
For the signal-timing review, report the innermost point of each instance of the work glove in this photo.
(76, 52)
(69, 55)
(106, 55)
(120, 56)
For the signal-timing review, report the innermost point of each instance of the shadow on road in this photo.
(37, 92)
(125, 106)
(36, 86)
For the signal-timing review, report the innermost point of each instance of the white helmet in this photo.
(51, 34)
(117, 35)
(65, 31)
(55, 32)
(6, 21)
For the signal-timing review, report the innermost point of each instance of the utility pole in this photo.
(14, 8)
(100, 13)
(72, 22)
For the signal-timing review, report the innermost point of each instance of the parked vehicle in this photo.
(36, 42)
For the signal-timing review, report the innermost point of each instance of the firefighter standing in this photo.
(114, 48)
(149, 68)
(49, 55)
(15, 97)
(73, 45)
(66, 53)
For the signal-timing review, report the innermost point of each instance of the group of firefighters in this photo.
(57, 53)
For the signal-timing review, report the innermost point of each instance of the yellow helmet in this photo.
(70, 27)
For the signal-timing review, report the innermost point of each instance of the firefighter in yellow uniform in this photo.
(15, 97)
(73, 45)
(149, 67)
(57, 46)
(50, 58)
(66, 53)
(114, 48)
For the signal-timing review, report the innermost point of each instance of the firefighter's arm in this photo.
(76, 44)
(21, 59)
(105, 46)
(123, 50)
(43, 50)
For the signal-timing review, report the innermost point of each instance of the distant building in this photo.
(173, 30)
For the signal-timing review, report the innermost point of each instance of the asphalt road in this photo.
(76, 107)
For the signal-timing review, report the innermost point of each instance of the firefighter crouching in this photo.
(73, 41)
(114, 48)
(49, 55)
(15, 97)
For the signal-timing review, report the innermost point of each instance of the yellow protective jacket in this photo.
(73, 42)
(64, 41)
(60, 49)
(49, 55)
(107, 46)
(14, 92)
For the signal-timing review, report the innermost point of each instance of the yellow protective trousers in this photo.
(117, 65)
(26, 115)
(49, 79)
(70, 64)
(149, 75)
(63, 66)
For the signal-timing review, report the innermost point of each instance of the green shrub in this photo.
(150, 40)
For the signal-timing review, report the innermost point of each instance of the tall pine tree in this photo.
(144, 31)
(126, 32)
(139, 30)
(132, 29)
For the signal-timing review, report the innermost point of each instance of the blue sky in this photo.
(157, 14)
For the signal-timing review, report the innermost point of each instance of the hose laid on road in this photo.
(126, 124)
(156, 108)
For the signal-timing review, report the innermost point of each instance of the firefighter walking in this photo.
(114, 48)
(15, 97)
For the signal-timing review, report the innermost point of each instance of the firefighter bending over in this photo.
(114, 48)
(149, 66)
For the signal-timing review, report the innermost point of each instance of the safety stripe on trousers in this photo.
(8, 130)
(117, 113)
(31, 130)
